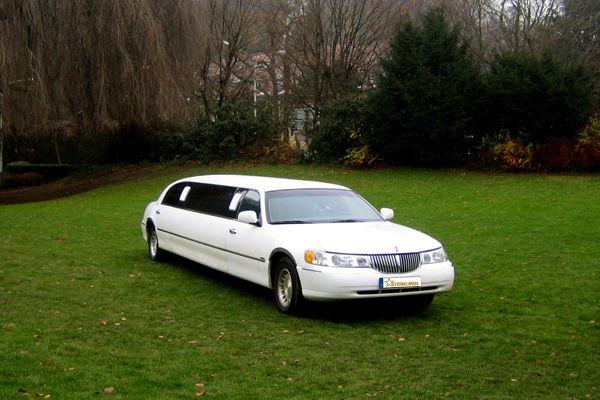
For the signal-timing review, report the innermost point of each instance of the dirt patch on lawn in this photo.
(77, 183)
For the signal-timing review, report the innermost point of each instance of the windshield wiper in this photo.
(346, 220)
(292, 221)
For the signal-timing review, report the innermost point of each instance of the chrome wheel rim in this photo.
(153, 244)
(284, 288)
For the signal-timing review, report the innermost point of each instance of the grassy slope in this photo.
(522, 321)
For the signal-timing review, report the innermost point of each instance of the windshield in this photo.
(309, 206)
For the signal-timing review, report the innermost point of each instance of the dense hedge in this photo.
(536, 98)
(220, 137)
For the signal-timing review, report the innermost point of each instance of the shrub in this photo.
(360, 155)
(424, 111)
(280, 152)
(557, 154)
(136, 143)
(128, 143)
(224, 135)
(507, 153)
(536, 98)
(12, 180)
(47, 171)
(332, 136)
(587, 150)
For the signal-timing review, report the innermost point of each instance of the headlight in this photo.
(322, 258)
(434, 256)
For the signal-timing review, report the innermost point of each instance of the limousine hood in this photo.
(359, 237)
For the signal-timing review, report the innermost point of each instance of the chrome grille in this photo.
(396, 263)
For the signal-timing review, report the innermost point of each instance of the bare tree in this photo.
(276, 18)
(523, 25)
(227, 65)
(579, 40)
(334, 46)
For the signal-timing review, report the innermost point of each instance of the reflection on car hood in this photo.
(358, 237)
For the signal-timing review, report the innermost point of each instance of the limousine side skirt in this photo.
(261, 259)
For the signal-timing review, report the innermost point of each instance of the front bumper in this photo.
(332, 283)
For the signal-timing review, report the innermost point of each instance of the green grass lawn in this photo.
(82, 308)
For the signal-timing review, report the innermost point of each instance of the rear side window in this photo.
(211, 199)
(173, 195)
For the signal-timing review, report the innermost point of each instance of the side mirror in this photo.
(248, 217)
(387, 213)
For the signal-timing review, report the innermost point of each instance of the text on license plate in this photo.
(399, 283)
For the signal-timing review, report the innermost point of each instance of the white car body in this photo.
(249, 251)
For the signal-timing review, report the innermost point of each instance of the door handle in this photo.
(157, 212)
(232, 231)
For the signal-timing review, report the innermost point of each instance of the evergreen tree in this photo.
(424, 109)
(537, 97)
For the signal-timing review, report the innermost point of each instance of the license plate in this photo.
(399, 283)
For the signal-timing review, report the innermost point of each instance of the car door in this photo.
(246, 256)
(168, 216)
(202, 230)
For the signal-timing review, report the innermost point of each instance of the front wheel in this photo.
(288, 291)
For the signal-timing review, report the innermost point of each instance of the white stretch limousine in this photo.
(304, 239)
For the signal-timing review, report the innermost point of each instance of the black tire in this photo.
(154, 251)
(420, 302)
(287, 287)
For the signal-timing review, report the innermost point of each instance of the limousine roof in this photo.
(261, 182)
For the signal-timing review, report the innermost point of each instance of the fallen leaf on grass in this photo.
(285, 331)
(250, 334)
(588, 395)
(192, 342)
(200, 392)
(200, 384)
(221, 335)
(102, 322)
(109, 389)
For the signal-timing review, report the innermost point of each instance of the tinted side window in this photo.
(211, 199)
(172, 196)
(251, 202)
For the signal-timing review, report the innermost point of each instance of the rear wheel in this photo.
(288, 291)
(154, 251)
